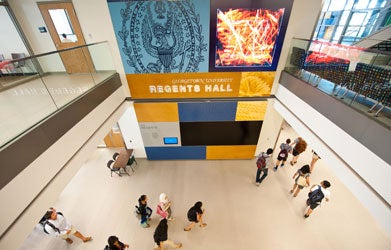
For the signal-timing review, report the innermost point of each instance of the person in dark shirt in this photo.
(160, 236)
(115, 244)
(144, 210)
(194, 215)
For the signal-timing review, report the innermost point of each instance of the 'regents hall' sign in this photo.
(200, 85)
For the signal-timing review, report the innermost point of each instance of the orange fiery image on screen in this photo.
(246, 37)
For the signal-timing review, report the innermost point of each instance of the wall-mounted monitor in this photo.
(170, 140)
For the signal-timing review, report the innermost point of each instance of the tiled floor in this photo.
(239, 214)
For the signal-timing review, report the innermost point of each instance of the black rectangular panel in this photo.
(220, 133)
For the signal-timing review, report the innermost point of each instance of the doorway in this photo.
(65, 31)
(114, 138)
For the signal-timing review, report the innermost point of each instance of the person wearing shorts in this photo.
(324, 185)
(285, 149)
(302, 179)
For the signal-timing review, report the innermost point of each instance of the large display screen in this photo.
(246, 37)
(220, 133)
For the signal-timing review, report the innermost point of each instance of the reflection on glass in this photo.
(62, 24)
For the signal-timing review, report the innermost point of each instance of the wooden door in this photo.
(114, 139)
(64, 28)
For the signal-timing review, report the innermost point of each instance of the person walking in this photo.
(316, 195)
(194, 215)
(57, 225)
(315, 158)
(164, 207)
(144, 211)
(161, 236)
(300, 147)
(302, 179)
(285, 149)
(262, 164)
(115, 244)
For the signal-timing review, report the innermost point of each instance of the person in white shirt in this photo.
(57, 225)
(315, 197)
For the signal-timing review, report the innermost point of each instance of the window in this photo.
(348, 21)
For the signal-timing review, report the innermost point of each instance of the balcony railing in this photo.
(356, 76)
(34, 87)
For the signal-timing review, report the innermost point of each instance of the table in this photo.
(123, 158)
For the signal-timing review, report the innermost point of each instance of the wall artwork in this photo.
(200, 49)
(162, 36)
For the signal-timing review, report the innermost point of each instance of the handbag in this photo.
(301, 181)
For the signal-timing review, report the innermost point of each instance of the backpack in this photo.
(137, 211)
(315, 196)
(261, 162)
(44, 221)
(283, 153)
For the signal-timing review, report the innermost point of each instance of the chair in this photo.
(115, 170)
(131, 160)
(19, 64)
(115, 156)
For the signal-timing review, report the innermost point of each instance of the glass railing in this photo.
(34, 87)
(356, 76)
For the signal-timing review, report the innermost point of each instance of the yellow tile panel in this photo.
(230, 152)
(157, 112)
(251, 111)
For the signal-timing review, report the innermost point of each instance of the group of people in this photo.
(163, 209)
(301, 176)
(55, 224)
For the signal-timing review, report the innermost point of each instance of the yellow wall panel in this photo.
(251, 111)
(157, 112)
(230, 152)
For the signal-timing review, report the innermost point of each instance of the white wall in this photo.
(343, 153)
(10, 41)
(131, 131)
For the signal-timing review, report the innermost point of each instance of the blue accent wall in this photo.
(176, 153)
(207, 111)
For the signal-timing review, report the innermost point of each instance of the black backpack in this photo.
(315, 196)
(45, 221)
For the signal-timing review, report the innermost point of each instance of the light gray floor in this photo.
(239, 214)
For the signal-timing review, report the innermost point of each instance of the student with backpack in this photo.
(57, 225)
(144, 211)
(262, 162)
(285, 148)
(316, 195)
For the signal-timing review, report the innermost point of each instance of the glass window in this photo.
(344, 17)
(62, 24)
(357, 18)
(361, 4)
(337, 5)
(338, 33)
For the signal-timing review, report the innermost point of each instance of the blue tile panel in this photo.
(207, 111)
(176, 153)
